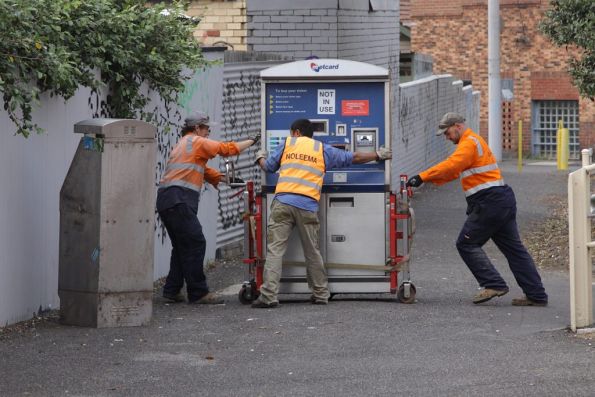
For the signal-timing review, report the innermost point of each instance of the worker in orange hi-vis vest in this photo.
(177, 204)
(491, 214)
(302, 162)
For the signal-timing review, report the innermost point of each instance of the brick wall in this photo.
(297, 33)
(405, 12)
(345, 29)
(222, 21)
(454, 33)
(552, 85)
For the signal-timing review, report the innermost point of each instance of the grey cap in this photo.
(448, 120)
(198, 118)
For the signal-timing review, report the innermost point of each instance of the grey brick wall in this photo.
(345, 29)
(292, 30)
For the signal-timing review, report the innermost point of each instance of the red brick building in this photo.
(536, 88)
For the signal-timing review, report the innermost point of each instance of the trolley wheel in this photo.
(248, 293)
(245, 295)
(406, 293)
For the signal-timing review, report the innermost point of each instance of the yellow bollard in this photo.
(562, 146)
(520, 147)
(558, 142)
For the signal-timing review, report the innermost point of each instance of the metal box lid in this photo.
(121, 129)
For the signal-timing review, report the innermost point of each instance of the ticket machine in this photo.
(361, 215)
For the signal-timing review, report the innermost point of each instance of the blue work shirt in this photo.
(333, 158)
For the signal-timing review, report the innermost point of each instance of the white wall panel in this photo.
(32, 172)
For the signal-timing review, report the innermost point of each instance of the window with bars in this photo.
(546, 115)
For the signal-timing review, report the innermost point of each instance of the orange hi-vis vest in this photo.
(473, 161)
(302, 167)
(184, 168)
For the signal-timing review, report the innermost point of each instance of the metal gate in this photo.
(241, 118)
(545, 118)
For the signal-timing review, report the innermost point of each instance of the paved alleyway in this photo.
(356, 346)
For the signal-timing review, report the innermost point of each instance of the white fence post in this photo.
(579, 228)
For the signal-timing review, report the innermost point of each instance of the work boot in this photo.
(258, 304)
(488, 293)
(317, 301)
(177, 298)
(524, 301)
(209, 299)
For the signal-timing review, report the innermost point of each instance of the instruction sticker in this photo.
(326, 101)
(355, 107)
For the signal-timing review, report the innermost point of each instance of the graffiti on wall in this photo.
(164, 115)
(197, 87)
(169, 121)
(241, 118)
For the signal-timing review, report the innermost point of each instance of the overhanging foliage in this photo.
(572, 22)
(54, 46)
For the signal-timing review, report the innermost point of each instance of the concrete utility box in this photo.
(107, 225)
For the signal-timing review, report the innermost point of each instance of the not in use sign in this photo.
(326, 101)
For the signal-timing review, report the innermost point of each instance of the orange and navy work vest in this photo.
(472, 161)
(302, 167)
(484, 173)
(182, 168)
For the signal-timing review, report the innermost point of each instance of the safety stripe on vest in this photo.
(316, 146)
(180, 183)
(302, 167)
(185, 166)
(479, 170)
(478, 144)
(499, 182)
(292, 140)
(299, 181)
(189, 145)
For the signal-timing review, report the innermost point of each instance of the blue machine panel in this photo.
(347, 115)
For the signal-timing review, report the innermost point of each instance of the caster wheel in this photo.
(248, 293)
(245, 295)
(406, 293)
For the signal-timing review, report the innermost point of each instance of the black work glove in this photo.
(255, 138)
(236, 180)
(415, 181)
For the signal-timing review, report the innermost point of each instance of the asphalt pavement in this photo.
(442, 345)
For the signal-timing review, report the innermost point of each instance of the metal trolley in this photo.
(401, 228)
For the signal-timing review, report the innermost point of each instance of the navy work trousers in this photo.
(493, 215)
(188, 252)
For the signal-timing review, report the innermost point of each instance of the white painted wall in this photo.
(421, 104)
(31, 175)
(32, 172)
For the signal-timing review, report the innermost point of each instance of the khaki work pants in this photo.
(283, 219)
